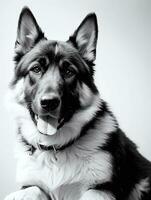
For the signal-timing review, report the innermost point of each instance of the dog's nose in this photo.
(50, 103)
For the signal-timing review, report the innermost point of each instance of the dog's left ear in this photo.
(85, 37)
(28, 32)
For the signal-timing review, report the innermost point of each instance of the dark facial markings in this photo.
(67, 70)
(71, 71)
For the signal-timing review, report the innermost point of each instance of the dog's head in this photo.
(58, 76)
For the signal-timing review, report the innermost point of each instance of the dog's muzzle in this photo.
(47, 119)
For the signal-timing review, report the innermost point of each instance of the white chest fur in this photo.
(71, 168)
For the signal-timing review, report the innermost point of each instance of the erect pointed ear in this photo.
(28, 32)
(85, 37)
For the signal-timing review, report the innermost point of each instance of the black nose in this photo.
(50, 104)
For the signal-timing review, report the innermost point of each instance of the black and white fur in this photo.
(92, 158)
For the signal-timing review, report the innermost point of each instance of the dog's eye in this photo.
(68, 73)
(36, 69)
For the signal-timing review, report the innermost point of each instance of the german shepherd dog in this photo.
(69, 144)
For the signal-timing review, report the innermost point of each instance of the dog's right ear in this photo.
(28, 32)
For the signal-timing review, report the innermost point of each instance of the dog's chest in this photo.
(64, 172)
(69, 192)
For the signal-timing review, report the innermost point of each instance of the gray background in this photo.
(123, 63)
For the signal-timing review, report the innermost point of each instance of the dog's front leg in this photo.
(30, 193)
(97, 195)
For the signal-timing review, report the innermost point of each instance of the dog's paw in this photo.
(31, 193)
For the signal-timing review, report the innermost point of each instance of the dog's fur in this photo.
(94, 158)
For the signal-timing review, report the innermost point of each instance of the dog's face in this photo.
(58, 76)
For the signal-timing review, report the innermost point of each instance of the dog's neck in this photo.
(54, 148)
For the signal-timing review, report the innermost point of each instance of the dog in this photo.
(69, 144)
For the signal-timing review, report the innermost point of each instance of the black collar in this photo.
(55, 148)
(41, 147)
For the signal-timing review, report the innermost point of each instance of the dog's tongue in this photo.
(47, 126)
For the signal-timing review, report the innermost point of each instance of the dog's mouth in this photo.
(49, 123)
(46, 125)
